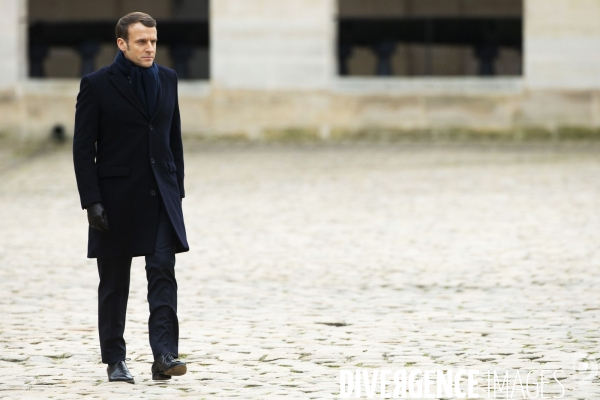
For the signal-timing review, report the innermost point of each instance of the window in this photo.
(71, 38)
(430, 37)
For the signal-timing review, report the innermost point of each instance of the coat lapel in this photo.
(120, 81)
(161, 95)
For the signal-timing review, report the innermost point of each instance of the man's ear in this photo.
(122, 44)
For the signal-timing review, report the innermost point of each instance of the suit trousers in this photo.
(113, 292)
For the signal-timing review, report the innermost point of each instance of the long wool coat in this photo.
(129, 161)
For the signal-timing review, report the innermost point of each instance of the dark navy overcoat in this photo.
(129, 161)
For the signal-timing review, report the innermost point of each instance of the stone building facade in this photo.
(274, 66)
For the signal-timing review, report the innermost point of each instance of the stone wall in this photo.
(12, 43)
(273, 70)
(562, 44)
(61, 10)
(429, 8)
(348, 108)
(272, 44)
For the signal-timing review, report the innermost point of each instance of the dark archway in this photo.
(432, 38)
(70, 38)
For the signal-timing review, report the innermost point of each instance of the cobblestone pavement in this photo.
(311, 259)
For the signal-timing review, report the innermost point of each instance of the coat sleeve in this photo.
(87, 116)
(176, 143)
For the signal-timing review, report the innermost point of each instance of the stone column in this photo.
(13, 25)
(88, 51)
(486, 54)
(562, 44)
(384, 51)
(273, 44)
(181, 53)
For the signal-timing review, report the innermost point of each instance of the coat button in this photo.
(152, 192)
(152, 160)
(151, 127)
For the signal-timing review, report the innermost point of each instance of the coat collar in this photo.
(120, 81)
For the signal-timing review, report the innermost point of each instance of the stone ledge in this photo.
(429, 86)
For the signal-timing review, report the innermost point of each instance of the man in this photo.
(128, 158)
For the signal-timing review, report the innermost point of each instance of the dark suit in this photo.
(132, 163)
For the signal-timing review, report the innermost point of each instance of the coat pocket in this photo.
(106, 171)
(172, 166)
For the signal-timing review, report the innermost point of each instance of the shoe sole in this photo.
(160, 377)
(177, 370)
(119, 380)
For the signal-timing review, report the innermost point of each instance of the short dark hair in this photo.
(122, 28)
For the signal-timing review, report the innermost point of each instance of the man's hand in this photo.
(97, 217)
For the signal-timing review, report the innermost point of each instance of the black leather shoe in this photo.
(166, 366)
(118, 372)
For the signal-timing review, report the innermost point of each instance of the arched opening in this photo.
(430, 37)
(70, 38)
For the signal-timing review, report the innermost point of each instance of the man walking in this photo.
(128, 158)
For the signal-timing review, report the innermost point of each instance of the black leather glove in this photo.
(97, 217)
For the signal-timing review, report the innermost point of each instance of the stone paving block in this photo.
(307, 260)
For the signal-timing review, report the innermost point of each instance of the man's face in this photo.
(140, 48)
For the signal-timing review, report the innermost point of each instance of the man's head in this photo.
(136, 38)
